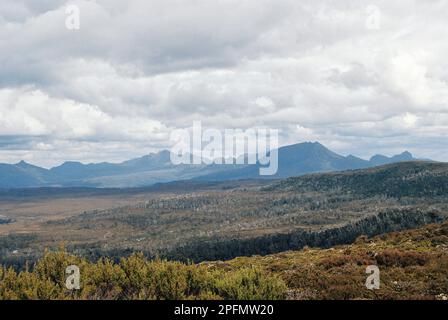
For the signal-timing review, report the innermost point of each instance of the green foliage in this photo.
(251, 284)
(136, 278)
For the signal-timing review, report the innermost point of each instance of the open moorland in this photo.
(413, 264)
(208, 221)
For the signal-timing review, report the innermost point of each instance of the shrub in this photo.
(397, 258)
(136, 278)
(251, 284)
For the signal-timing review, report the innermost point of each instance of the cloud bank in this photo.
(359, 76)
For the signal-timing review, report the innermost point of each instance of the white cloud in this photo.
(137, 69)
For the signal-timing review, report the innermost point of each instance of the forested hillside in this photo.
(407, 179)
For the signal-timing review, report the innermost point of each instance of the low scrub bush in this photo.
(137, 278)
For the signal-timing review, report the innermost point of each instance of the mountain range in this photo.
(294, 160)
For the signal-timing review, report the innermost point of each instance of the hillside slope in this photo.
(413, 265)
(406, 179)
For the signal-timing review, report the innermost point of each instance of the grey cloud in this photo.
(17, 142)
(355, 77)
(138, 69)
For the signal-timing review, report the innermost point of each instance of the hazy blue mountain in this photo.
(70, 171)
(76, 173)
(308, 157)
(151, 161)
(34, 171)
(379, 160)
(294, 160)
(13, 176)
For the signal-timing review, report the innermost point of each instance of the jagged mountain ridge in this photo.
(294, 160)
(309, 157)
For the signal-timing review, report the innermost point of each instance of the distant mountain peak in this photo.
(407, 154)
(25, 165)
(293, 160)
(71, 164)
(380, 159)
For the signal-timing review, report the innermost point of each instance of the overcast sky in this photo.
(361, 77)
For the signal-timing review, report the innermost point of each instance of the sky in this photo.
(361, 77)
